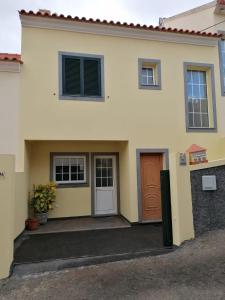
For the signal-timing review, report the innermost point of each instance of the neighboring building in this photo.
(208, 18)
(10, 65)
(105, 106)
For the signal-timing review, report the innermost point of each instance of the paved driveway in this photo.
(90, 243)
(195, 271)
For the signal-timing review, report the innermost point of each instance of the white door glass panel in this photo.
(105, 185)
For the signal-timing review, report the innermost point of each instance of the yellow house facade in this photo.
(105, 107)
(121, 121)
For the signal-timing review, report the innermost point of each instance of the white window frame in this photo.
(69, 157)
(193, 99)
(209, 68)
(147, 76)
(155, 65)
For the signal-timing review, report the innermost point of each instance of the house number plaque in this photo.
(2, 174)
(182, 159)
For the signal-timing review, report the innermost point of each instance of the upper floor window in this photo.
(149, 74)
(198, 112)
(222, 65)
(200, 97)
(81, 77)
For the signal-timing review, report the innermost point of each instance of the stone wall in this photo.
(208, 206)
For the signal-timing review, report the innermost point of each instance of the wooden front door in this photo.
(151, 165)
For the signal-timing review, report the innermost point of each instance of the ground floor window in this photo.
(69, 169)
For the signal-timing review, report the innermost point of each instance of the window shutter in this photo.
(92, 77)
(71, 76)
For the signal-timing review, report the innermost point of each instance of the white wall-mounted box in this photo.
(209, 183)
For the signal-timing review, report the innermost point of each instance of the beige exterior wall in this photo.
(181, 201)
(145, 118)
(22, 194)
(7, 196)
(13, 212)
(21, 203)
(76, 201)
(9, 100)
(128, 119)
(126, 207)
(197, 19)
(13, 187)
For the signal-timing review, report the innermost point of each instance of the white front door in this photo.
(105, 185)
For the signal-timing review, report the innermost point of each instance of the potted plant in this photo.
(32, 224)
(43, 200)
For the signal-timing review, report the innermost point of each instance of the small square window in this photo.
(149, 74)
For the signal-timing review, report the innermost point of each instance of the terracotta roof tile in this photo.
(10, 57)
(195, 148)
(119, 24)
(221, 2)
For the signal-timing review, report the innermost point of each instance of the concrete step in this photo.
(60, 264)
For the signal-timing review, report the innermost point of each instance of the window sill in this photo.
(71, 185)
(150, 87)
(201, 129)
(80, 98)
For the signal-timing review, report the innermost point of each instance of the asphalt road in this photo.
(194, 271)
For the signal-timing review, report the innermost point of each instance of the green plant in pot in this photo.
(43, 200)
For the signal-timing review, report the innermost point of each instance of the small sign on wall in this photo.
(183, 159)
(2, 174)
(197, 155)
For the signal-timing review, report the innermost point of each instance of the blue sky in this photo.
(135, 11)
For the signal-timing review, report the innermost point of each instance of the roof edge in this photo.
(152, 28)
(11, 57)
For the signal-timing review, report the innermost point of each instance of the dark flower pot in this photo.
(32, 224)
(42, 218)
